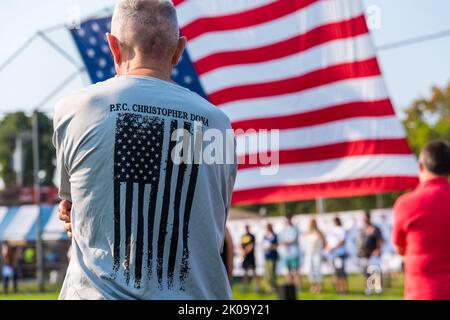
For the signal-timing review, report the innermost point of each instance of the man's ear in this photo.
(179, 51)
(114, 46)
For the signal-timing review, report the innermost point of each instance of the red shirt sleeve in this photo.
(398, 229)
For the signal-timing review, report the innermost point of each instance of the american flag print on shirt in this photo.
(145, 174)
(307, 68)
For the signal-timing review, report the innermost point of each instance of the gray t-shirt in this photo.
(145, 225)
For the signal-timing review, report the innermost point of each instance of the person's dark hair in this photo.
(288, 217)
(435, 157)
(367, 216)
(337, 221)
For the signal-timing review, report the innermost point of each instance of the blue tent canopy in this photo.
(19, 223)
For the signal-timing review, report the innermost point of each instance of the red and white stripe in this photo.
(307, 68)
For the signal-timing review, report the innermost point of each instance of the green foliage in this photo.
(428, 119)
(17, 123)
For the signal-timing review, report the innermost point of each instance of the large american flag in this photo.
(305, 67)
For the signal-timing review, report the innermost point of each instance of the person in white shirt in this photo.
(315, 243)
(338, 254)
(147, 213)
(289, 241)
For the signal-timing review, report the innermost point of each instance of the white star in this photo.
(95, 27)
(105, 48)
(187, 80)
(81, 32)
(91, 53)
(102, 62)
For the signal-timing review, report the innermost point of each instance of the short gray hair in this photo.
(150, 26)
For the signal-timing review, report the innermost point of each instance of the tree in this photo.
(428, 119)
(17, 123)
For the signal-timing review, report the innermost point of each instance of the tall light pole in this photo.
(37, 195)
(321, 206)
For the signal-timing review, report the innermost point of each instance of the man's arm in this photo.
(398, 231)
(62, 173)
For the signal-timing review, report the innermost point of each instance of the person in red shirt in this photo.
(421, 230)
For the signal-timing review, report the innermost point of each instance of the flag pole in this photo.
(380, 201)
(37, 198)
(320, 205)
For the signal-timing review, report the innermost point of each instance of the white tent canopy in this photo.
(20, 223)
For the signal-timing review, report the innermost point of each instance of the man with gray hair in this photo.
(144, 225)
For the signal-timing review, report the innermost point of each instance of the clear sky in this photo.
(409, 72)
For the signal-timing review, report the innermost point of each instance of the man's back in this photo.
(422, 224)
(146, 225)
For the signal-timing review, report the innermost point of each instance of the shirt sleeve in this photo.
(232, 173)
(62, 174)
(398, 231)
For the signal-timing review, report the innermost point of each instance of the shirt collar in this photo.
(435, 181)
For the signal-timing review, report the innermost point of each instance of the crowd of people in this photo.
(18, 262)
(284, 248)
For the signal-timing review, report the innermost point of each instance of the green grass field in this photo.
(28, 291)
